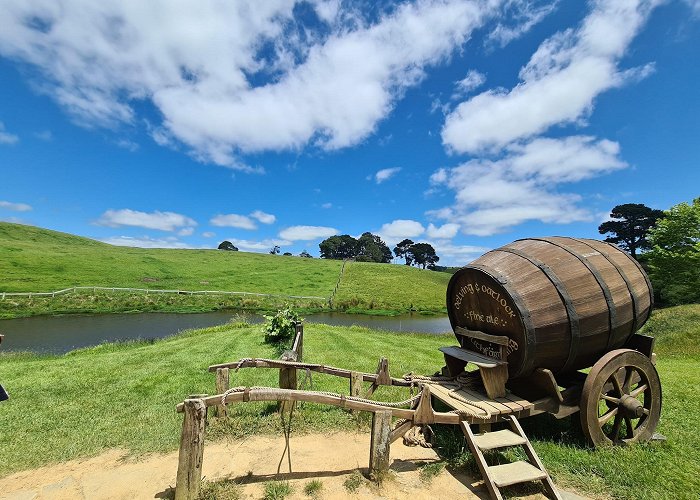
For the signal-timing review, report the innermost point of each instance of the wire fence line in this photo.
(337, 284)
(147, 291)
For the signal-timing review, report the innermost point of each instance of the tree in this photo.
(227, 245)
(275, 250)
(402, 250)
(338, 247)
(371, 248)
(306, 254)
(674, 259)
(630, 226)
(423, 254)
(287, 253)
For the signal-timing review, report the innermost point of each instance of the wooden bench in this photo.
(494, 373)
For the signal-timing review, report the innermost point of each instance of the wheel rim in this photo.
(621, 399)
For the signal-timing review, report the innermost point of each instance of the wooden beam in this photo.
(424, 411)
(355, 385)
(475, 334)
(380, 444)
(189, 466)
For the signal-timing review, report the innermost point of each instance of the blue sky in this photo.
(464, 124)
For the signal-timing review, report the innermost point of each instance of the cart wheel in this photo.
(621, 399)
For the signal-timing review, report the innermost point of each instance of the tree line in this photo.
(370, 248)
(666, 243)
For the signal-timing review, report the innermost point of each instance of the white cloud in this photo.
(6, 137)
(445, 232)
(263, 217)
(15, 207)
(399, 229)
(694, 5)
(456, 255)
(526, 15)
(385, 174)
(145, 242)
(127, 144)
(558, 85)
(231, 77)
(327, 205)
(233, 220)
(472, 81)
(163, 221)
(208, 234)
(494, 195)
(44, 135)
(258, 246)
(296, 233)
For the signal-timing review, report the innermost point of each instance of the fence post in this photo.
(222, 385)
(380, 442)
(189, 466)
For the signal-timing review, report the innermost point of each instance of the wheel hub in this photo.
(631, 407)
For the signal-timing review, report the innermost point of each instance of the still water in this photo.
(60, 334)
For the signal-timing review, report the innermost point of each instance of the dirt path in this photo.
(330, 458)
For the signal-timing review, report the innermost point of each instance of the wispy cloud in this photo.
(263, 217)
(6, 137)
(233, 220)
(258, 245)
(145, 242)
(163, 221)
(15, 207)
(472, 81)
(384, 174)
(399, 229)
(306, 233)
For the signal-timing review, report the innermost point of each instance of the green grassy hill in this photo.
(39, 260)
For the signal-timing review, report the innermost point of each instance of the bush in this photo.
(282, 326)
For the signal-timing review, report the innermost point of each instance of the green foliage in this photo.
(306, 255)
(281, 326)
(277, 490)
(354, 481)
(402, 250)
(225, 489)
(371, 248)
(632, 222)
(423, 254)
(430, 471)
(313, 488)
(338, 247)
(674, 259)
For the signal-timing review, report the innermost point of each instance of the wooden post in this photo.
(299, 341)
(380, 442)
(222, 385)
(288, 380)
(355, 385)
(189, 465)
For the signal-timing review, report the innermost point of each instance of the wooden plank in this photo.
(494, 380)
(424, 411)
(480, 462)
(380, 444)
(401, 430)
(514, 473)
(498, 439)
(471, 357)
(222, 385)
(189, 466)
(494, 406)
(475, 334)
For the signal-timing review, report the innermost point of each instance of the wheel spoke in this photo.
(639, 390)
(616, 385)
(616, 427)
(606, 418)
(630, 429)
(646, 411)
(628, 379)
(610, 398)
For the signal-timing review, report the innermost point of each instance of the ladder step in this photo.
(514, 473)
(498, 439)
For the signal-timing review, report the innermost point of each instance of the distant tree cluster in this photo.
(367, 248)
(629, 225)
(227, 245)
(420, 254)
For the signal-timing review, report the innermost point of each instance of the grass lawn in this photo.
(123, 395)
(39, 260)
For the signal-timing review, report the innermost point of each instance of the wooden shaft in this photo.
(314, 397)
(380, 444)
(355, 385)
(287, 380)
(189, 466)
(222, 385)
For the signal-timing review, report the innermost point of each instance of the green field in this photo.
(123, 395)
(39, 260)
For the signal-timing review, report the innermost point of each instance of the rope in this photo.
(463, 381)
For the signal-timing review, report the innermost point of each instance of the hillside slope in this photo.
(38, 260)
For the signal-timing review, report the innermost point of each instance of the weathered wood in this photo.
(480, 462)
(562, 302)
(424, 411)
(383, 377)
(287, 380)
(298, 346)
(541, 383)
(476, 334)
(380, 444)
(314, 397)
(494, 380)
(401, 430)
(189, 467)
(222, 385)
(469, 356)
(329, 370)
(355, 385)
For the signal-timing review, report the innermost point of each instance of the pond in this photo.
(60, 334)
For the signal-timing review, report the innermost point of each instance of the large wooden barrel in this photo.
(562, 302)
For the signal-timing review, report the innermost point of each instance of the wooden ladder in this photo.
(498, 476)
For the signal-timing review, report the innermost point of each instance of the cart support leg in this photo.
(380, 442)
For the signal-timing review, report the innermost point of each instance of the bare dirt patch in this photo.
(252, 462)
